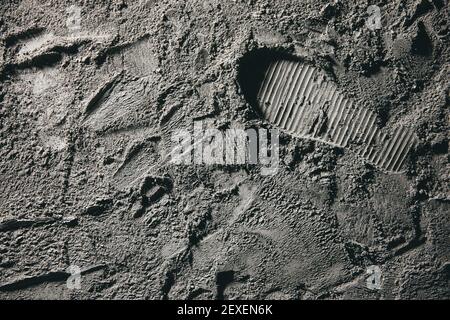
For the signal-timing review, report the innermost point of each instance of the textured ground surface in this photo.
(86, 116)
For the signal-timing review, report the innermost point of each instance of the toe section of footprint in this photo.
(302, 100)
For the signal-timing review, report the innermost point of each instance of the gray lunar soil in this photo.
(86, 117)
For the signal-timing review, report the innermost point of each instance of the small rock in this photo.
(70, 221)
